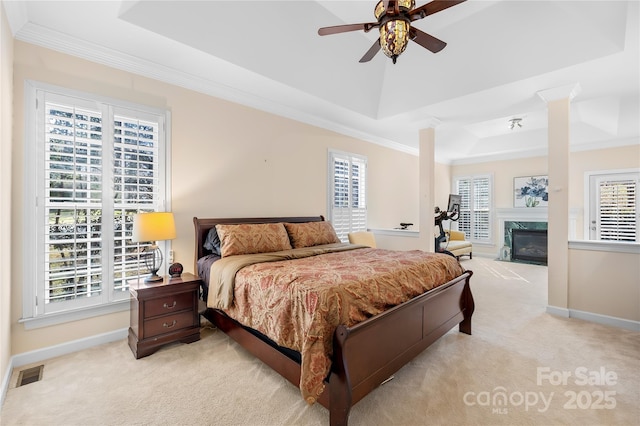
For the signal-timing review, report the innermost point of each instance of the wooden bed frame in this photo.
(368, 353)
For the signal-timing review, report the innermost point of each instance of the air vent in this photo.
(30, 375)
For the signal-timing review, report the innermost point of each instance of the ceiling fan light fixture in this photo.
(403, 6)
(394, 37)
(394, 18)
(515, 122)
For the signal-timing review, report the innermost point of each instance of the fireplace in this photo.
(529, 245)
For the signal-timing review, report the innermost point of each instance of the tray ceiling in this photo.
(267, 54)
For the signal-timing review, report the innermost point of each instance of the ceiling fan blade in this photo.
(371, 52)
(346, 28)
(433, 7)
(427, 41)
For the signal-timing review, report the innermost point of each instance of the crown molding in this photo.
(57, 41)
(569, 91)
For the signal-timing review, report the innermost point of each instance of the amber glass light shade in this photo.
(394, 36)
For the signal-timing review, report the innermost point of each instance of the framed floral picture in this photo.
(531, 191)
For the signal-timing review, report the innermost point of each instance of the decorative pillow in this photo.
(212, 242)
(249, 238)
(311, 234)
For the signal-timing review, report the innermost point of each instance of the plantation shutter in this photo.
(136, 189)
(348, 208)
(73, 193)
(101, 164)
(475, 207)
(617, 210)
(481, 204)
(464, 221)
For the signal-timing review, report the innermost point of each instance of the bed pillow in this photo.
(212, 242)
(311, 234)
(249, 238)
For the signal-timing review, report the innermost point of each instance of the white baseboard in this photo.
(43, 354)
(559, 312)
(5, 381)
(606, 320)
(597, 318)
(66, 348)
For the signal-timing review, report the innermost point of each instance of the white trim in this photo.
(76, 314)
(561, 92)
(609, 246)
(49, 352)
(605, 320)
(29, 189)
(557, 311)
(593, 317)
(5, 381)
(411, 233)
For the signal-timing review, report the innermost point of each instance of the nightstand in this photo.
(163, 312)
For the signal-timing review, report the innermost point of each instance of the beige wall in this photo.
(227, 160)
(443, 184)
(6, 97)
(605, 283)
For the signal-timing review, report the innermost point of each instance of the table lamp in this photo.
(154, 227)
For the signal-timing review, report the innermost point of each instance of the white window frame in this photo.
(592, 206)
(352, 219)
(491, 210)
(33, 313)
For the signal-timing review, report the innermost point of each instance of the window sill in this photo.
(396, 232)
(75, 315)
(610, 246)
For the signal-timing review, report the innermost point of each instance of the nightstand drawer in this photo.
(169, 304)
(167, 324)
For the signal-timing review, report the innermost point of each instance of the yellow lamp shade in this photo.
(154, 226)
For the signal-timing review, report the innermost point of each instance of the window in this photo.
(614, 201)
(91, 165)
(347, 193)
(475, 209)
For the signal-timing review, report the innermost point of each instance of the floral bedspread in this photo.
(299, 303)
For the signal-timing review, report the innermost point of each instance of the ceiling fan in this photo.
(394, 20)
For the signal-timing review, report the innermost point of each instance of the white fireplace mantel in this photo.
(523, 214)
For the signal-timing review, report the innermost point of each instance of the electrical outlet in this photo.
(170, 256)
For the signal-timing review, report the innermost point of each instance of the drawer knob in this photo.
(170, 325)
(166, 305)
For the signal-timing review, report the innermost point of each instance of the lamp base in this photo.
(153, 278)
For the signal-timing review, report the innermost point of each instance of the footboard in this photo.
(370, 352)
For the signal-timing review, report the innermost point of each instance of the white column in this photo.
(559, 122)
(426, 185)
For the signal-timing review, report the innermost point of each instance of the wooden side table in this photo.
(163, 312)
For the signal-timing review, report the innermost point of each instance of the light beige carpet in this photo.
(508, 372)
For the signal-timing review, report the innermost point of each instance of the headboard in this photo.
(202, 227)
